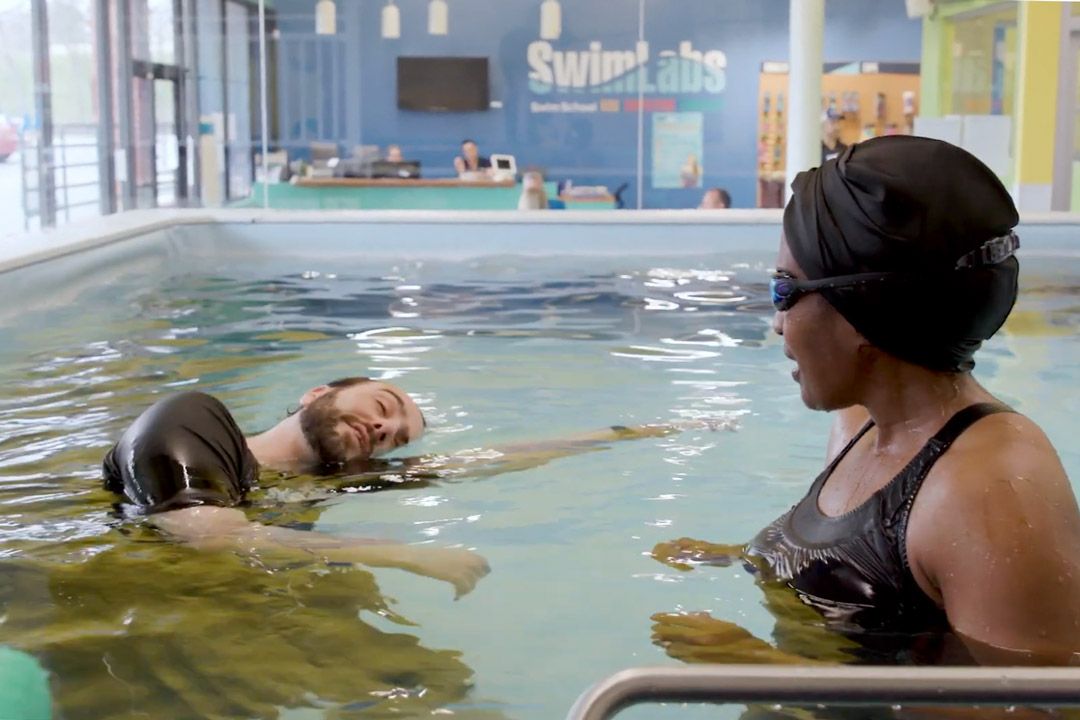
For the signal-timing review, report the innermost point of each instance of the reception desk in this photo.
(390, 194)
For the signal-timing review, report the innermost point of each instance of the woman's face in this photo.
(824, 346)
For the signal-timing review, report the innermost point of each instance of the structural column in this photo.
(43, 110)
(935, 68)
(1036, 103)
(124, 166)
(103, 60)
(807, 38)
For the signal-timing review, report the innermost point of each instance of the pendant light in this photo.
(325, 17)
(550, 20)
(438, 18)
(391, 21)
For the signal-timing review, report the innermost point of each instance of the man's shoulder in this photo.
(190, 408)
(189, 399)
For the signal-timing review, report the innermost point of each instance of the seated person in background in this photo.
(831, 147)
(715, 199)
(533, 195)
(185, 462)
(470, 159)
(393, 154)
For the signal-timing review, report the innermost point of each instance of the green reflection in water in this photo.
(145, 626)
(130, 625)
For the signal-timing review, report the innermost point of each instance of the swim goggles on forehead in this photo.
(786, 289)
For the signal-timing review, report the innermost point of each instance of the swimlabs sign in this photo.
(603, 73)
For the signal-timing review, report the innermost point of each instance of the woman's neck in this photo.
(910, 403)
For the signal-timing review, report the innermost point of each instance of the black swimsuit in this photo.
(184, 450)
(853, 568)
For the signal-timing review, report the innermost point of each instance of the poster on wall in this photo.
(677, 144)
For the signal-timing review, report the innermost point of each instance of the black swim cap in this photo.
(913, 206)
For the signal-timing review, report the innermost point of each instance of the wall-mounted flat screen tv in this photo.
(442, 84)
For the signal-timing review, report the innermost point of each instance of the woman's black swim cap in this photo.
(913, 206)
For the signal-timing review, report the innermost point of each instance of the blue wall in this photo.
(343, 87)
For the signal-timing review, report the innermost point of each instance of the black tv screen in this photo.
(442, 84)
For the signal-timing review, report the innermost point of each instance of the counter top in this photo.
(346, 182)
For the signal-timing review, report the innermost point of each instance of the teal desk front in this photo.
(389, 194)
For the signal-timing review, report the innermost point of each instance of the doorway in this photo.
(159, 134)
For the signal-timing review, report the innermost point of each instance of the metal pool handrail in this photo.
(837, 685)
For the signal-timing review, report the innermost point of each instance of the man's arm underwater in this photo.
(217, 528)
(474, 464)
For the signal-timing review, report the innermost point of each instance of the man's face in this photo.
(470, 150)
(359, 421)
(712, 200)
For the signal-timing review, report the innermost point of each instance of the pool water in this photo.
(497, 349)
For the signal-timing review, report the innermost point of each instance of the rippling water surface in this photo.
(496, 350)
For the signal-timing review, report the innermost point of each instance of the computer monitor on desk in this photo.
(354, 168)
(407, 169)
(503, 167)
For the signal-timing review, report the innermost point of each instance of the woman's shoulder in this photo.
(993, 536)
(1004, 453)
(1005, 439)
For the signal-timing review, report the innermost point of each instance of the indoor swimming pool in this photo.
(504, 332)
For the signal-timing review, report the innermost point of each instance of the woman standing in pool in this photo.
(942, 513)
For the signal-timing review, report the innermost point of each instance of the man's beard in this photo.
(320, 421)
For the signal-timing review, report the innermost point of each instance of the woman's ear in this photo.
(867, 353)
(315, 392)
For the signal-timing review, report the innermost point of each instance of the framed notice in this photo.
(677, 144)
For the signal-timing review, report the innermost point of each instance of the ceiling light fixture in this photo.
(391, 21)
(438, 18)
(550, 20)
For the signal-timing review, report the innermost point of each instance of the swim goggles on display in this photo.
(786, 289)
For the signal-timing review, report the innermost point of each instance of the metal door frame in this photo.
(170, 73)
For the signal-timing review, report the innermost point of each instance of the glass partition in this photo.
(368, 104)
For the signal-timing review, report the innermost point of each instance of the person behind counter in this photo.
(470, 159)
